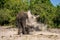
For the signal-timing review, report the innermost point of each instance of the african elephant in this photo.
(21, 23)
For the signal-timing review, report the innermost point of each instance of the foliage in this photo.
(4, 16)
(9, 9)
(49, 14)
(56, 19)
(46, 10)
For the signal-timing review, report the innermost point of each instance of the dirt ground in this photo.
(11, 34)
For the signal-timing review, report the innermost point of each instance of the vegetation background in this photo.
(49, 14)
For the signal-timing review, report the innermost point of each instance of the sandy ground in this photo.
(11, 34)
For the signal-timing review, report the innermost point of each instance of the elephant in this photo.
(21, 23)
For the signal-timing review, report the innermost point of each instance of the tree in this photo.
(56, 19)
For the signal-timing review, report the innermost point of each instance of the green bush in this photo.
(9, 10)
(4, 16)
(49, 14)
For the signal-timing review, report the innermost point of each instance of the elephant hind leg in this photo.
(19, 29)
